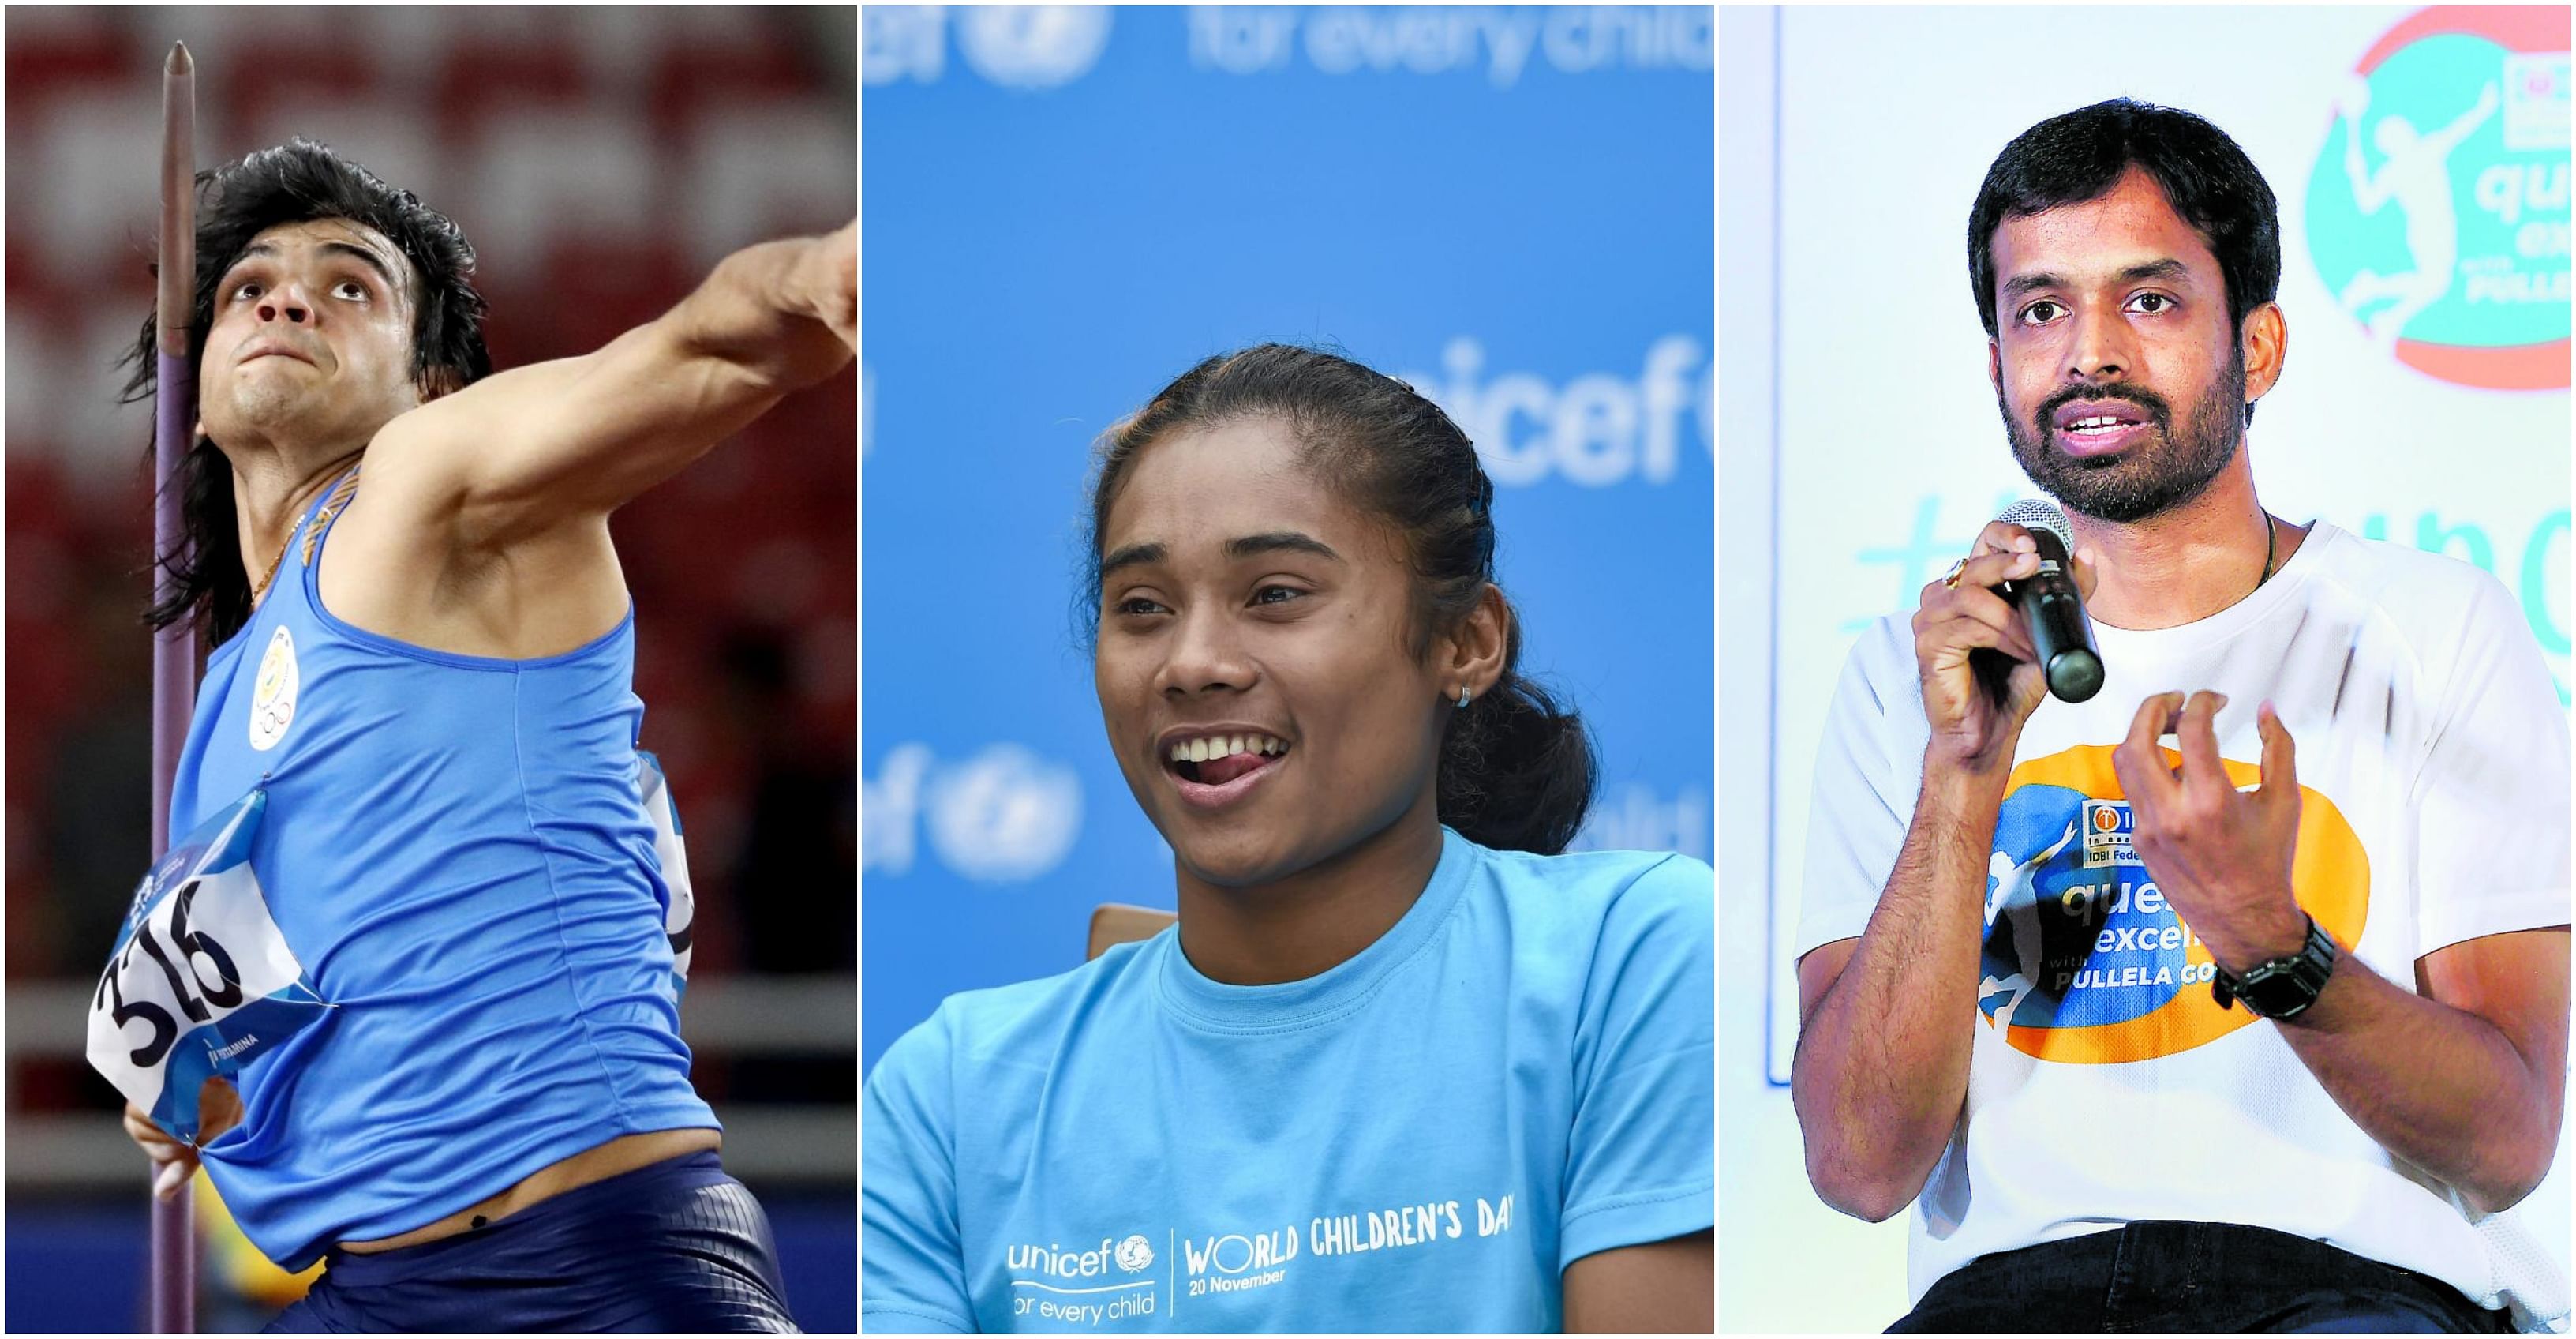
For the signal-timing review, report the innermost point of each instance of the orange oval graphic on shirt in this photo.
(2083, 962)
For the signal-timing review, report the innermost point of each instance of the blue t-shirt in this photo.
(456, 850)
(1520, 1073)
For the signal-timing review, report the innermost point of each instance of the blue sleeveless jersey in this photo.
(455, 849)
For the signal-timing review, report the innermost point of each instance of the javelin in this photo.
(174, 669)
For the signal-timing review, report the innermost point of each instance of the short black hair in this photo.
(297, 182)
(2080, 155)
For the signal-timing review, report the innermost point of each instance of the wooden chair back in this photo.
(1118, 923)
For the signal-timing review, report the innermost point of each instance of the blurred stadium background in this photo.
(601, 160)
(1510, 207)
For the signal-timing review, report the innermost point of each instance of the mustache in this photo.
(2154, 405)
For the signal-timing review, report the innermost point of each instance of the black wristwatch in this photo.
(2283, 988)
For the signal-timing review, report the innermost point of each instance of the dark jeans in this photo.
(2193, 1278)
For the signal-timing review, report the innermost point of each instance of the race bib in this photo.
(201, 982)
(680, 914)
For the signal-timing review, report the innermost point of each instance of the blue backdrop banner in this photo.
(1066, 206)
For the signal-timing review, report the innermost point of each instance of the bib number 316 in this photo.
(201, 982)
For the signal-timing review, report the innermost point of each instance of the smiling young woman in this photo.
(1401, 1065)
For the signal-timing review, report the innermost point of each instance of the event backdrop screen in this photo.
(1065, 207)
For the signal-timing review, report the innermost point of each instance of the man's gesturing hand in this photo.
(2222, 857)
(1975, 716)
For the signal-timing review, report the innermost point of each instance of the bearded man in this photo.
(2294, 1023)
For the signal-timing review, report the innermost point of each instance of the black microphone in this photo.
(2052, 608)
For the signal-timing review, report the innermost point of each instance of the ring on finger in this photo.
(1951, 581)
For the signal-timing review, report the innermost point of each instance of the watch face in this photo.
(2281, 993)
(2286, 987)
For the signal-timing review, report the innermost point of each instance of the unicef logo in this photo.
(1005, 814)
(2437, 213)
(1135, 1255)
(1033, 46)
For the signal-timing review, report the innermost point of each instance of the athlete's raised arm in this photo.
(537, 448)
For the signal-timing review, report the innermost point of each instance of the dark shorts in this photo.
(677, 1247)
(2193, 1278)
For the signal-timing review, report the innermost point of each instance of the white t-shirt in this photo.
(2107, 1086)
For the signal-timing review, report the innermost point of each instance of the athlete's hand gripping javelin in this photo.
(219, 1109)
(172, 1162)
(1976, 714)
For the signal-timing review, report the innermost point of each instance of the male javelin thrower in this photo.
(414, 908)
(2255, 1035)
